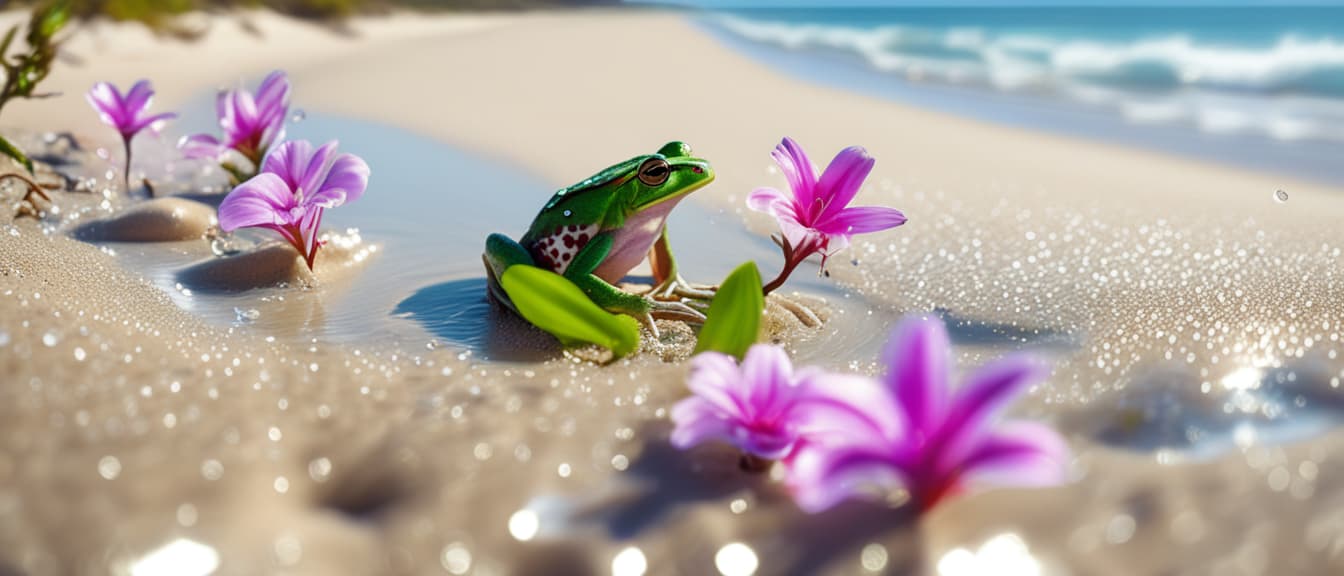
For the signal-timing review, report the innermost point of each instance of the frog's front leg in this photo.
(501, 252)
(613, 299)
(667, 282)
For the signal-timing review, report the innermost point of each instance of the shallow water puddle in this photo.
(427, 212)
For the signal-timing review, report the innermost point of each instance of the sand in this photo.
(1161, 287)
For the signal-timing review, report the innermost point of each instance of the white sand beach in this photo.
(128, 424)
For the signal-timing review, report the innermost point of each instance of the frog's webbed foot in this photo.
(663, 310)
(676, 288)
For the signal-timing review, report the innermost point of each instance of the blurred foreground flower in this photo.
(914, 433)
(251, 124)
(295, 185)
(763, 407)
(126, 113)
(816, 217)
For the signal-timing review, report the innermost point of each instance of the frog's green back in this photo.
(586, 202)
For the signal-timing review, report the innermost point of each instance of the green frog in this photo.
(594, 232)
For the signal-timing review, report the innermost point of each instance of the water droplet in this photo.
(319, 469)
(109, 467)
(224, 246)
(736, 559)
(244, 316)
(523, 525)
(50, 339)
(186, 515)
(298, 116)
(212, 469)
(456, 559)
(1280, 196)
(874, 557)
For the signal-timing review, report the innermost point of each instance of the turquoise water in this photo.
(1258, 86)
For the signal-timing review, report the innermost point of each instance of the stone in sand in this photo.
(157, 220)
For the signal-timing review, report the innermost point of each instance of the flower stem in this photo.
(792, 258)
(126, 175)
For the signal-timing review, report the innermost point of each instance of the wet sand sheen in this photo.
(129, 424)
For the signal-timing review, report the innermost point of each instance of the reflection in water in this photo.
(181, 557)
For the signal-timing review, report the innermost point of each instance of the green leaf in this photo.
(554, 304)
(734, 317)
(13, 152)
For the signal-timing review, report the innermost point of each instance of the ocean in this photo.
(1261, 87)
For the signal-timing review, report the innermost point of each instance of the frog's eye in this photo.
(654, 171)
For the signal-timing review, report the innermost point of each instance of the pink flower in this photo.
(126, 113)
(762, 406)
(251, 123)
(295, 185)
(816, 217)
(911, 431)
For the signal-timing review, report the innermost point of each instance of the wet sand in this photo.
(1194, 319)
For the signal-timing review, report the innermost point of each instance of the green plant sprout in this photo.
(26, 69)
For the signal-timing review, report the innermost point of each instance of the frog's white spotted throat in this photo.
(558, 249)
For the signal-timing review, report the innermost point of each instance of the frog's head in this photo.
(667, 175)
(650, 184)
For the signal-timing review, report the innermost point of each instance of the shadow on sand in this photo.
(801, 544)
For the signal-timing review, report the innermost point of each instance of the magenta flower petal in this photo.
(273, 94)
(985, 395)
(842, 180)
(766, 200)
(698, 421)
(917, 355)
(105, 99)
(277, 198)
(769, 370)
(313, 177)
(856, 408)
(154, 123)
(264, 200)
(345, 182)
(309, 226)
(816, 218)
(798, 170)
(754, 406)
(821, 476)
(252, 123)
(940, 449)
(289, 162)
(1019, 454)
(139, 96)
(714, 377)
(125, 112)
(862, 220)
(200, 146)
